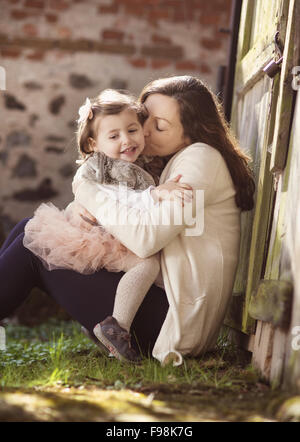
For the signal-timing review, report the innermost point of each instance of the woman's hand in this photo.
(88, 217)
(172, 189)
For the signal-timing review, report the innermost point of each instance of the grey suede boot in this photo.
(116, 339)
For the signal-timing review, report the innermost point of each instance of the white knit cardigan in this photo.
(198, 271)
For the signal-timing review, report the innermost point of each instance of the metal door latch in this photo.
(273, 67)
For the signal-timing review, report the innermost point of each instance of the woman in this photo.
(185, 123)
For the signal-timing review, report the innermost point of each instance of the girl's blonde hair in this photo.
(108, 102)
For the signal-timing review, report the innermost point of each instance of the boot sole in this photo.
(102, 347)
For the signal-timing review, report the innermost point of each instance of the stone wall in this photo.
(55, 53)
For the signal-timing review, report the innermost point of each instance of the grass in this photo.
(59, 353)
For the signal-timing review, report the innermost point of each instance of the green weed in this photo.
(59, 353)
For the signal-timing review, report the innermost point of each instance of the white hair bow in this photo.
(85, 112)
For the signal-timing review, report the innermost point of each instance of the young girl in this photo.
(110, 139)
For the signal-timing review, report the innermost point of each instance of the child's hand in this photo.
(173, 189)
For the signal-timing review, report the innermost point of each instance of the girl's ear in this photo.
(91, 144)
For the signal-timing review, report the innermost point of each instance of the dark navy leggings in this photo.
(87, 298)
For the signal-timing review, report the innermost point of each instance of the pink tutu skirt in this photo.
(62, 239)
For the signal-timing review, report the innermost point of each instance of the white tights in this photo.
(133, 287)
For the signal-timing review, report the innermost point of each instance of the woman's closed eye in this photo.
(159, 128)
(161, 125)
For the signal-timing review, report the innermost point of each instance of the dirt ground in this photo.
(91, 404)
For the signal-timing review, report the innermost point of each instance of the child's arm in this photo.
(84, 173)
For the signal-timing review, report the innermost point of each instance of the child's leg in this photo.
(132, 289)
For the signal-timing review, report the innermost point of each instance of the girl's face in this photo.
(119, 136)
(163, 130)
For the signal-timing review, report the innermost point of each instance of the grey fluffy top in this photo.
(105, 170)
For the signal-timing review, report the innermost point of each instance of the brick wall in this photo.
(55, 53)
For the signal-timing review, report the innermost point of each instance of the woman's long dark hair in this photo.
(203, 121)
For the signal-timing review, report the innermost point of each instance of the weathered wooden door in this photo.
(261, 114)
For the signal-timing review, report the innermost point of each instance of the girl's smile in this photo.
(129, 150)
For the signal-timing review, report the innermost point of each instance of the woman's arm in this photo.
(146, 232)
(141, 231)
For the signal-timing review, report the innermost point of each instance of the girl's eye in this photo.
(132, 130)
(113, 137)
